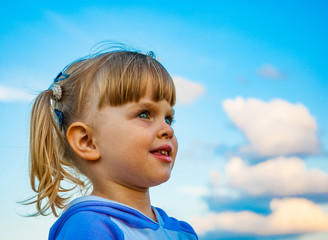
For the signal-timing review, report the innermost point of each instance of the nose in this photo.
(165, 131)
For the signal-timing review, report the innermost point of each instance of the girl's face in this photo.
(136, 143)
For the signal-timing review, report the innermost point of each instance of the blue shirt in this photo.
(92, 217)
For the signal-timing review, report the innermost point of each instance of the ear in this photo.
(79, 137)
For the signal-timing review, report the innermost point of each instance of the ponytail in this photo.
(47, 157)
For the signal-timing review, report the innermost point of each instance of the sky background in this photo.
(251, 116)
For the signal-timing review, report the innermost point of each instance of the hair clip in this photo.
(59, 117)
(151, 54)
(56, 88)
(60, 77)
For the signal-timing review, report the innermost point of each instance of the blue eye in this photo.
(143, 115)
(169, 120)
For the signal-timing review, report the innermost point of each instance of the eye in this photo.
(144, 115)
(169, 120)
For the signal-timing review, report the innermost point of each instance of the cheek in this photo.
(134, 143)
(175, 143)
(175, 147)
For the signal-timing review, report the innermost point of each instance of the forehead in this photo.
(131, 88)
(148, 101)
(159, 88)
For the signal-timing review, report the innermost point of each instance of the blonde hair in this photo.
(112, 78)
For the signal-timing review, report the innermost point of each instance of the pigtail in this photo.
(47, 161)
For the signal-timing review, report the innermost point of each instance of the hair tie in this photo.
(59, 117)
(56, 91)
(57, 95)
(56, 88)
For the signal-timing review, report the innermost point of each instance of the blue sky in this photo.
(251, 118)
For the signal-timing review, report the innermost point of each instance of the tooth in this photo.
(164, 152)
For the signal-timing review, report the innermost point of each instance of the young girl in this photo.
(107, 117)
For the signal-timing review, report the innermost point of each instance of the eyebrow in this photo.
(150, 105)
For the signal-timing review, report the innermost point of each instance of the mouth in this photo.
(163, 152)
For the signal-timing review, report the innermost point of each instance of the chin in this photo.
(160, 179)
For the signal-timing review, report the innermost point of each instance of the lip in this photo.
(164, 158)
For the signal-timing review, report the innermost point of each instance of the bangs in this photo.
(125, 76)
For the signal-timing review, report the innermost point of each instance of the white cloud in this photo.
(269, 71)
(8, 94)
(187, 91)
(289, 216)
(273, 128)
(279, 176)
(314, 236)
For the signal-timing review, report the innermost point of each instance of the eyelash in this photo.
(169, 118)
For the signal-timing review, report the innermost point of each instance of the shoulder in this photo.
(174, 224)
(85, 225)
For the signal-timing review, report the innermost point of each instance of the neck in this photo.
(138, 199)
